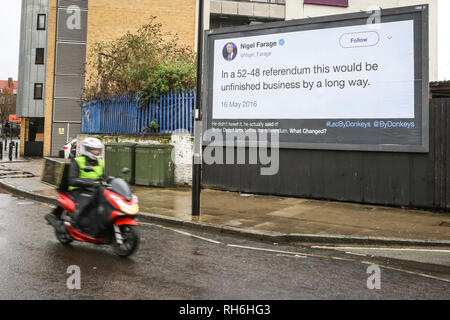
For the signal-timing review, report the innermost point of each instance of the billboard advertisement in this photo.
(338, 82)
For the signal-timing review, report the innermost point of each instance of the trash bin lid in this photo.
(155, 146)
(120, 145)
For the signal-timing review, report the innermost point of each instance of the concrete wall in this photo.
(181, 155)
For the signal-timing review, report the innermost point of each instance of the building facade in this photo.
(227, 13)
(8, 97)
(50, 96)
(32, 71)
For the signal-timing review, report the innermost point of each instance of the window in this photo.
(38, 91)
(41, 21)
(39, 56)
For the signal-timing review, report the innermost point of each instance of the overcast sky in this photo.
(10, 34)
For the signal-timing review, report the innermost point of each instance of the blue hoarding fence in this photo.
(170, 113)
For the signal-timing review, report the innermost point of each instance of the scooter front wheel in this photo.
(129, 242)
(63, 238)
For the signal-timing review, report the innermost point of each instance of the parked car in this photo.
(70, 149)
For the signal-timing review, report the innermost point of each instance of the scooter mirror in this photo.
(125, 170)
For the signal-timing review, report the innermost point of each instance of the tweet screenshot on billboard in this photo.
(343, 87)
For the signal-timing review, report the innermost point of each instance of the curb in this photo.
(282, 238)
(27, 194)
(274, 237)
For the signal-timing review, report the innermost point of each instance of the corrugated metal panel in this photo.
(59, 137)
(29, 72)
(67, 110)
(63, 133)
(74, 130)
(69, 86)
(69, 68)
(386, 178)
(66, 31)
(83, 4)
(70, 58)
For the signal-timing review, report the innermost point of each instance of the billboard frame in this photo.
(421, 58)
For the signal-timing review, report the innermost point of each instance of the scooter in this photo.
(110, 219)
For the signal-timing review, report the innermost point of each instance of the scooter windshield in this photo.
(120, 187)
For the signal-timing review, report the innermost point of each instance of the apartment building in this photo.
(56, 38)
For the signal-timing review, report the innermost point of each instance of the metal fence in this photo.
(173, 112)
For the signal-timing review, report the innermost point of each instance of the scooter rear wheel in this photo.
(130, 239)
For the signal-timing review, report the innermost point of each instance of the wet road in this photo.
(180, 264)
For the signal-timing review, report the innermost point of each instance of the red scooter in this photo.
(108, 220)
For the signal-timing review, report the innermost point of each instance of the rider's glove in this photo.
(96, 184)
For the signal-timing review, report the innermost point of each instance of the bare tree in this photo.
(7, 107)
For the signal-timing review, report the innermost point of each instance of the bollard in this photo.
(11, 146)
(17, 149)
(1, 150)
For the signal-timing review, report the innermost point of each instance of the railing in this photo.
(173, 112)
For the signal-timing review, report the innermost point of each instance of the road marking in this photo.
(304, 255)
(24, 203)
(290, 255)
(276, 251)
(356, 254)
(182, 232)
(381, 248)
(342, 259)
(406, 271)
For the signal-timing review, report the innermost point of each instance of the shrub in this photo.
(149, 62)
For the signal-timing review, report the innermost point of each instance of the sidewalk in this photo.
(271, 218)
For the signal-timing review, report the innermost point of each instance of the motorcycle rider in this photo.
(82, 183)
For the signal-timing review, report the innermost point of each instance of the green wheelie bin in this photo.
(154, 166)
(119, 156)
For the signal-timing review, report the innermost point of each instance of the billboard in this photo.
(337, 82)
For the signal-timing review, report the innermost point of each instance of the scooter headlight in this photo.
(131, 207)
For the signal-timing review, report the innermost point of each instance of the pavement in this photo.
(268, 218)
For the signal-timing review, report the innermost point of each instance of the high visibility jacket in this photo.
(94, 175)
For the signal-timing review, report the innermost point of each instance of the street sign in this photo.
(14, 118)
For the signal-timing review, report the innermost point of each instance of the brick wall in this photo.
(50, 72)
(110, 19)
